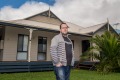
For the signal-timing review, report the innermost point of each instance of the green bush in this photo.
(107, 51)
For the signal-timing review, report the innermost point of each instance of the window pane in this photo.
(25, 43)
(1, 54)
(40, 48)
(42, 44)
(44, 41)
(40, 40)
(0, 37)
(22, 56)
(41, 56)
(20, 43)
(44, 47)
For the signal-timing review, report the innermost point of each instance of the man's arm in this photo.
(53, 50)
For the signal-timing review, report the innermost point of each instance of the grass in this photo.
(75, 75)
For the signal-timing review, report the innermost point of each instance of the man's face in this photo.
(64, 29)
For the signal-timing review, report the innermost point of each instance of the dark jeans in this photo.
(62, 73)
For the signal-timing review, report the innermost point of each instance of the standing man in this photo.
(62, 53)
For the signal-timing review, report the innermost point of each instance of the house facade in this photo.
(29, 39)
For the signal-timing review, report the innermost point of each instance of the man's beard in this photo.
(64, 34)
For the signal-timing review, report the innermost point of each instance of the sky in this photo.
(82, 12)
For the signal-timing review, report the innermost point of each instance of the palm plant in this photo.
(106, 50)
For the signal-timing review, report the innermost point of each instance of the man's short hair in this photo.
(62, 24)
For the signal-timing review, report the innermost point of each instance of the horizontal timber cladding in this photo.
(25, 66)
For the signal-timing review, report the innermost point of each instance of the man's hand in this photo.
(59, 64)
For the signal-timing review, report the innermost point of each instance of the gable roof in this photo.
(92, 29)
(44, 25)
(47, 13)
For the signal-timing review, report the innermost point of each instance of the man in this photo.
(62, 54)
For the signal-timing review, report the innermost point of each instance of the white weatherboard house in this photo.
(29, 39)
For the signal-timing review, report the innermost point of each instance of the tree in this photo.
(107, 51)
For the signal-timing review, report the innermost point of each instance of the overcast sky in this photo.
(82, 12)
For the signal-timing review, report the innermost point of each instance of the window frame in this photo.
(22, 47)
(41, 51)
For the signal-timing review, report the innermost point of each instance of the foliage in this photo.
(106, 49)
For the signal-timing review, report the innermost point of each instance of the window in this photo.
(22, 49)
(1, 54)
(85, 45)
(42, 48)
(0, 37)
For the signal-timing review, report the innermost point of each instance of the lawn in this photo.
(75, 75)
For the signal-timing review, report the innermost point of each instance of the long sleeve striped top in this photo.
(58, 52)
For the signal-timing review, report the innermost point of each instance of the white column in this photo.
(29, 46)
